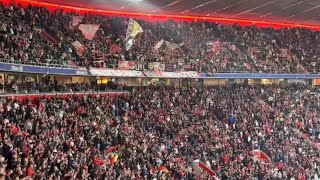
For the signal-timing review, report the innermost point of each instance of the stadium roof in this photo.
(287, 12)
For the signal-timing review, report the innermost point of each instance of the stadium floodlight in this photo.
(135, 1)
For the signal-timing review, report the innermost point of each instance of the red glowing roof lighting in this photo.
(243, 22)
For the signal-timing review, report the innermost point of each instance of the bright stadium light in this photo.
(134, 1)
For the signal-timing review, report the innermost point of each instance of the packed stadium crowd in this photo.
(158, 132)
(32, 87)
(54, 86)
(35, 34)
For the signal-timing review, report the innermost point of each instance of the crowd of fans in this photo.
(289, 50)
(32, 87)
(47, 84)
(157, 133)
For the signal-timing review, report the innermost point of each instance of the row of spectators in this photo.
(32, 87)
(251, 49)
(156, 133)
(48, 85)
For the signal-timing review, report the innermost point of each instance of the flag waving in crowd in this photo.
(158, 45)
(173, 46)
(79, 47)
(214, 46)
(287, 54)
(217, 47)
(133, 30)
(169, 45)
(89, 30)
(76, 20)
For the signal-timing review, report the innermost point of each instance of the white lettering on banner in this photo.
(17, 68)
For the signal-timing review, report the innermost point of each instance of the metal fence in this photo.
(49, 64)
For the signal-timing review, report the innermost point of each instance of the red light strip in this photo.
(243, 22)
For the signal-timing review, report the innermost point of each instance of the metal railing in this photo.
(10, 95)
(18, 62)
(231, 70)
(7, 93)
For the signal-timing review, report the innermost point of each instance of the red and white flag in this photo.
(41, 107)
(76, 20)
(232, 47)
(1, 108)
(158, 45)
(252, 51)
(236, 49)
(214, 47)
(248, 66)
(172, 46)
(287, 54)
(261, 156)
(79, 47)
(89, 30)
(217, 47)
(201, 168)
(115, 49)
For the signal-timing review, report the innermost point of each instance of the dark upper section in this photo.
(292, 11)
